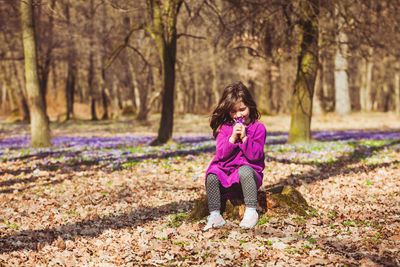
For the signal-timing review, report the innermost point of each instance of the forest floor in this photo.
(102, 197)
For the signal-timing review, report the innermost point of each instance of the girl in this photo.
(239, 158)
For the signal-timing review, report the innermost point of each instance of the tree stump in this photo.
(278, 201)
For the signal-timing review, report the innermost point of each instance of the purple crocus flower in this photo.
(240, 120)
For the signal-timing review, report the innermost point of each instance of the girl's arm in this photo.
(224, 148)
(253, 146)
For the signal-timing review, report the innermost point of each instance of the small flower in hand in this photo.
(240, 120)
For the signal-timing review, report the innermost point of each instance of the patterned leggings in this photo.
(247, 178)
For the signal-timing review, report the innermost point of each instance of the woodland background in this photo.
(110, 72)
(218, 42)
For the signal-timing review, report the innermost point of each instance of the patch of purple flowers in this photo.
(113, 152)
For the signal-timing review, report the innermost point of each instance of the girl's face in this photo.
(240, 110)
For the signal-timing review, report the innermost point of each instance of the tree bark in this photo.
(71, 72)
(397, 89)
(318, 87)
(317, 103)
(70, 85)
(10, 91)
(342, 94)
(366, 82)
(165, 40)
(104, 97)
(92, 93)
(300, 124)
(45, 60)
(214, 71)
(40, 130)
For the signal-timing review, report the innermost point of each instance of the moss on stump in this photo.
(278, 201)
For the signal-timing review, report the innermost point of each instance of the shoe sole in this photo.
(215, 225)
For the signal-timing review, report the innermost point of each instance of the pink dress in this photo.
(229, 157)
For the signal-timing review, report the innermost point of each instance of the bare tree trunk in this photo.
(385, 99)
(40, 130)
(166, 46)
(115, 107)
(71, 72)
(317, 103)
(180, 90)
(22, 95)
(366, 82)
(70, 85)
(266, 102)
(214, 68)
(10, 91)
(104, 98)
(103, 63)
(19, 91)
(91, 75)
(45, 62)
(342, 94)
(397, 89)
(140, 94)
(300, 124)
(318, 88)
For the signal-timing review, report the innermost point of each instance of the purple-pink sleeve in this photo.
(253, 147)
(224, 148)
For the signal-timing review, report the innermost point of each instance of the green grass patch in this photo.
(177, 219)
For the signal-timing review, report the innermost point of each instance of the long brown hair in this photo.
(233, 93)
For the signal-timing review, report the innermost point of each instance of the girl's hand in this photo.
(243, 135)
(236, 132)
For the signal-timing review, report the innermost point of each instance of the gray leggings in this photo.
(247, 178)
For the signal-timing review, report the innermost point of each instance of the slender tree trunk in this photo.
(104, 97)
(385, 99)
(342, 94)
(167, 110)
(327, 90)
(103, 63)
(114, 99)
(300, 125)
(366, 82)
(23, 95)
(71, 71)
(10, 91)
(166, 46)
(141, 94)
(317, 103)
(318, 87)
(70, 86)
(40, 130)
(266, 102)
(92, 93)
(214, 70)
(45, 63)
(20, 90)
(397, 89)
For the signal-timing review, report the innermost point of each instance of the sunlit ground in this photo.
(101, 195)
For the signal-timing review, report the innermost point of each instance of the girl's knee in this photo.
(247, 174)
(246, 171)
(212, 179)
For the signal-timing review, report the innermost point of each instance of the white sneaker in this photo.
(214, 220)
(250, 218)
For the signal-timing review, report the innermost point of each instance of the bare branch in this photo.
(121, 47)
(140, 54)
(190, 36)
(253, 52)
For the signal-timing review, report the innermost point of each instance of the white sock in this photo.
(215, 212)
(250, 210)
